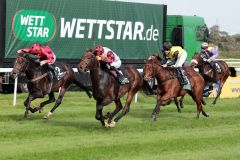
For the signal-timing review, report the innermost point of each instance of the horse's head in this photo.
(148, 69)
(20, 65)
(87, 60)
(197, 60)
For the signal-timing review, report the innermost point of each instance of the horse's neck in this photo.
(33, 70)
(96, 73)
(161, 72)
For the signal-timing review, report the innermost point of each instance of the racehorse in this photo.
(40, 82)
(211, 75)
(169, 86)
(107, 89)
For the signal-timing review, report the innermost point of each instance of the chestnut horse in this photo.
(40, 83)
(169, 86)
(107, 89)
(210, 75)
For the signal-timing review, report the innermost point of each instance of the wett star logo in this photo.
(33, 25)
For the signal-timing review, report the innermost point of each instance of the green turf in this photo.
(72, 133)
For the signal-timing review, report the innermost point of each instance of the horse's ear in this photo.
(145, 61)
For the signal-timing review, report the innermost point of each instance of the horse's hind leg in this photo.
(198, 101)
(177, 104)
(57, 103)
(126, 108)
(50, 100)
(218, 94)
(181, 101)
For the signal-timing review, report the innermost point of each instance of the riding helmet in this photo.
(99, 49)
(167, 46)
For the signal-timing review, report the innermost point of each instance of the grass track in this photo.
(72, 133)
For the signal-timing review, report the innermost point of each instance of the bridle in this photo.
(18, 68)
(86, 61)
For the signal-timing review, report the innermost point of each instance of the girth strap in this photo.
(38, 78)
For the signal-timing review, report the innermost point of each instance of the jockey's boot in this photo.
(182, 76)
(120, 76)
(51, 69)
(217, 67)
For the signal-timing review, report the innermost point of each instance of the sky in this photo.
(226, 14)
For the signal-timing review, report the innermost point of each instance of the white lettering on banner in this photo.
(91, 22)
(35, 24)
(100, 29)
(110, 29)
(32, 20)
(138, 30)
(79, 28)
(68, 28)
(107, 29)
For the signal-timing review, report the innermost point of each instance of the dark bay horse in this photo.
(211, 75)
(40, 83)
(169, 86)
(107, 89)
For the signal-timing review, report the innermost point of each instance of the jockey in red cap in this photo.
(43, 53)
(112, 59)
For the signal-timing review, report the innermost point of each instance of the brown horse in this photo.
(107, 89)
(210, 75)
(169, 86)
(40, 82)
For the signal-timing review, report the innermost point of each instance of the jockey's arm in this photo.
(174, 59)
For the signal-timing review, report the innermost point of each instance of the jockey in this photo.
(211, 53)
(175, 56)
(112, 61)
(44, 54)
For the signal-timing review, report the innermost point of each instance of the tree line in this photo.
(229, 45)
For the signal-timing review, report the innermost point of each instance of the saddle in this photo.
(182, 77)
(56, 71)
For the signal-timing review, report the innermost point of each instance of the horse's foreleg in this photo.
(57, 103)
(27, 104)
(156, 110)
(117, 109)
(99, 116)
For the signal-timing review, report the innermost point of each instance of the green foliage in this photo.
(229, 44)
(72, 133)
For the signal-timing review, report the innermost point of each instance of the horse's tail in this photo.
(233, 72)
(86, 89)
(146, 88)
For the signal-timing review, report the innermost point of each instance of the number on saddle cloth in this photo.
(58, 71)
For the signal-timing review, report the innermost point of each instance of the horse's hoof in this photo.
(112, 124)
(40, 110)
(26, 115)
(205, 114)
(179, 111)
(154, 117)
(47, 116)
(213, 105)
(106, 125)
(197, 117)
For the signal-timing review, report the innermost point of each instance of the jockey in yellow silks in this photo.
(175, 56)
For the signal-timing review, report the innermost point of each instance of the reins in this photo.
(169, 77)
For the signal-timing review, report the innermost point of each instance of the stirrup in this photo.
(124, 81)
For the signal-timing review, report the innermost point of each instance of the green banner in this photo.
(132, 30)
